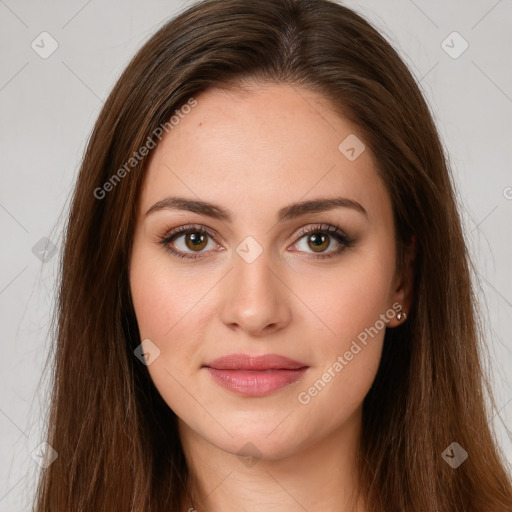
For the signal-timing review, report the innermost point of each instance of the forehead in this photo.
(261, 149)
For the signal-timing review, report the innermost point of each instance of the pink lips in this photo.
(255, 375)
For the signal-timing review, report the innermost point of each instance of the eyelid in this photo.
(344, 240)
(168, 235)
(341, 236)
(325, 227)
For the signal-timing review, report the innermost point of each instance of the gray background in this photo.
(48, 106)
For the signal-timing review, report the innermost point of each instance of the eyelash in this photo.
(340, 236)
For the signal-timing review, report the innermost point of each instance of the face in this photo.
(256, 276)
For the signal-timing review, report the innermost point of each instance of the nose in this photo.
(255, 298)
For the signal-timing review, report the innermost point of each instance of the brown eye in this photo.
(318, 241)
(188, 241)
(196, 240)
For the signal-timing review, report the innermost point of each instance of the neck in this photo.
(317, 477)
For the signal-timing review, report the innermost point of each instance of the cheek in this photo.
(164, 297)
(165, 302)
(347, 299)
(354, 309)
(171, 310)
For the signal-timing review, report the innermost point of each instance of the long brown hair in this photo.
(117, 443)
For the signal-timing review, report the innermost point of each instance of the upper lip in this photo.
(254, 362)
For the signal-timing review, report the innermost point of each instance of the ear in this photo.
(403, 283)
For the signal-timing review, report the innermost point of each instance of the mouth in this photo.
(254, 376)
(256, 362)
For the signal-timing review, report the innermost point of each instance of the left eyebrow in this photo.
(291, 211)
(318, 205)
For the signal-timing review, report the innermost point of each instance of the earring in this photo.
(401, 316)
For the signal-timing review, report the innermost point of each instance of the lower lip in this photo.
(255, 382)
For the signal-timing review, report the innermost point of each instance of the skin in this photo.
(254, 153)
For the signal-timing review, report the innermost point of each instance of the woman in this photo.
(266, 300)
